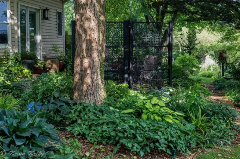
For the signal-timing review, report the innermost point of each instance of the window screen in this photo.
(3, 23)
(59, 17)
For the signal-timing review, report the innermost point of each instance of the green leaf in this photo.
(19, 140)
(57, 94)
(5, 147)
(59, 103)
(144, 116)
(50, 154)
(2, 123)
(168, 118)
(6, 130)
(148, 105)
(6, 141)
(25, 132)
(161, 103)
(1, 116)
(177, 113)
(158, 118)
(154, 100)
(44, 141)
(111, 83)
(25, 124)
(67, 100)
(128, 111)
(176, 121)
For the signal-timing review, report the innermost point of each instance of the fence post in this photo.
(128, 52)
(130, 55)
(170, 37)
(223, 69)
(73, 43)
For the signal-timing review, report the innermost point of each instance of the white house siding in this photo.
(49, 28)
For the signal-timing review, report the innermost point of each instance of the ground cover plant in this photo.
(205, 76)
(140, 121)
(120, 121)
(144, 121)
(230, 87)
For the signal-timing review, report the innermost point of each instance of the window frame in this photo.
(59, 35)
(8, 25)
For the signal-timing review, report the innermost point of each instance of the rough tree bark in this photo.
(90, 48)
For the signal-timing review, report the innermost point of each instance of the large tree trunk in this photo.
(90, 48)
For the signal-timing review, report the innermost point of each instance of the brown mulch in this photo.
(106, 150)
(102, 151)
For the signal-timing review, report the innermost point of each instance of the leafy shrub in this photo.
(8, 102)
(13, 69)
(234, 70)
(117, 91)
(218, 134)
(230, 87)
(222, 112)
(22, 133)
(208, 74)
(189, 100)
(183, 67)
(141, 105)
(234, 94)
(45, 86)
(14, 88)
(154, 109)
(220, 83)
(55, 110)
(108, 125)
(192, 103)
(187, 62)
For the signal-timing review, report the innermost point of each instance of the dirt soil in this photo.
(106, 150)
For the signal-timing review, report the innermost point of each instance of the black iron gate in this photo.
(135, 54)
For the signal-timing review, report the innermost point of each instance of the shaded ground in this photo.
(105, 151)
(219, 97)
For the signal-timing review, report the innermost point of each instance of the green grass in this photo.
(232, 152)
(204, 80)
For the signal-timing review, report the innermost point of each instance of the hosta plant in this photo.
(24, 135)
(155, 109)
(54, 110)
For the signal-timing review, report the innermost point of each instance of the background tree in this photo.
(183, 12)
(69, 15)
(89, 54)
(190, 46)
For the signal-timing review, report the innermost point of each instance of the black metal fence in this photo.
(135, 54)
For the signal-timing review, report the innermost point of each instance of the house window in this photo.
(59, 23)
(4, 23)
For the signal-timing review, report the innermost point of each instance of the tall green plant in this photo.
(45, 87)
(190, 46)
(7, 101)
(187, 62)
